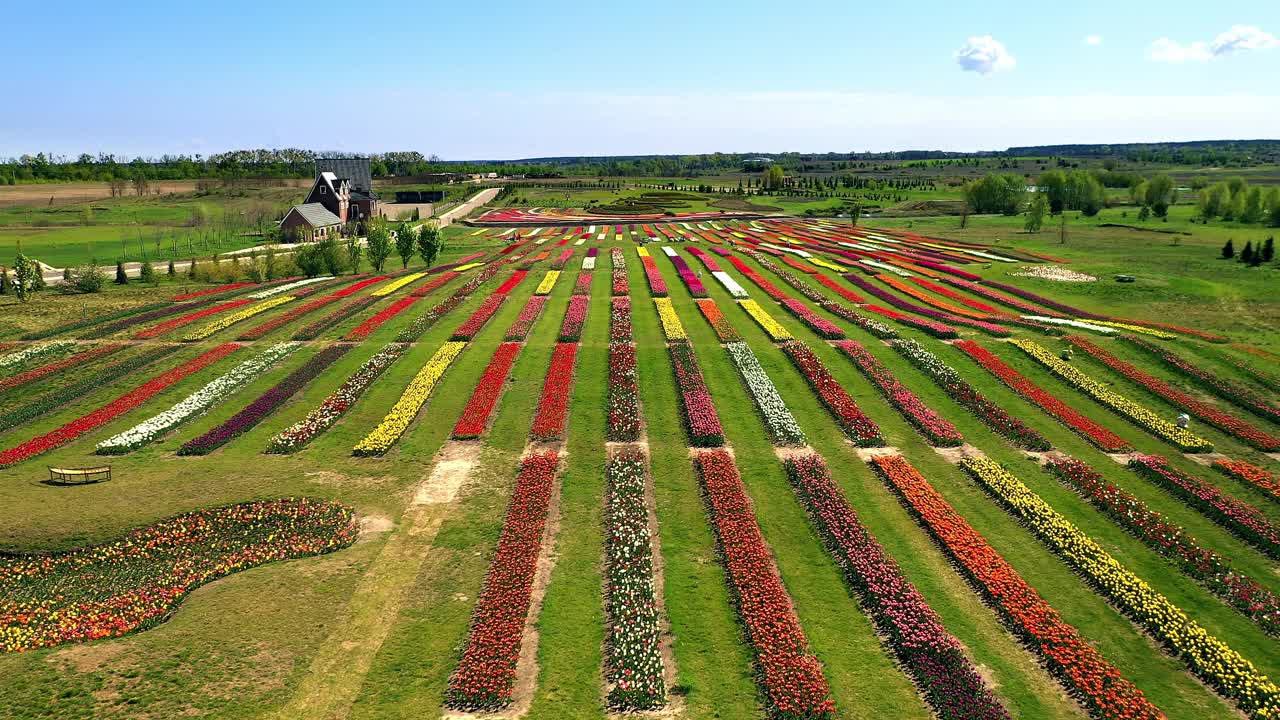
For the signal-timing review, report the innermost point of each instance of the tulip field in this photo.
(700, 466)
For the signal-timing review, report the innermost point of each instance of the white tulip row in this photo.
(1068, 321)
(589, 263)
(778, 420)
(32, 351)
(276, 290)
(735, 289)
(196, 403)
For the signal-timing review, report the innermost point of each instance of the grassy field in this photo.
(373, 631)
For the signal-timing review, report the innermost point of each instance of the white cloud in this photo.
(1239, 38)
(984, 55)
(1243, 37)
(1092, 39)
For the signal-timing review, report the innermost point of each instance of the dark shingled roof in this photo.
(317, 215)
(354, 170)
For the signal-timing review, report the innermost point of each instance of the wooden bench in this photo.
(69, 476)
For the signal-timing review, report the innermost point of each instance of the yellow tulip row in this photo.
(1208, 657)
(820, 262)
(406, 408)
(468, 266)
(1142, 416)
(771, 326)
(642, 251)
(548, 282)
(396, 284)
(229, 320)
(672, 328)
(1135, 328)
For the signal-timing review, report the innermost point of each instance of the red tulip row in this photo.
(861, 429)
(167, 325)
(935, 429)
(574, 318)
(1241, 518)
(1086, 428)
(340, 313)
(1238, 394)
(701, 420)
(839, 289)
(719, 323)
(121, 405)
(1081, 668)
(479, 318)
(848, 314)
(214, 290)
(434, 283)
(78, 359)
(769, 288)
(797, 283)
(818, 324)
(789, 675)
(261, 329)
(423, 322)
(949, 293)
(362, 331)
(485, 676)
(510, 283)
(623, 422)
(519, 328)
(932, 327)
(492, 383)
(1264, 481)
(553, 407)
(620, 319)
(582, 286)
(1222, 420)
(561, 259)
(913, 631)
(657, 286)
(1171, 540)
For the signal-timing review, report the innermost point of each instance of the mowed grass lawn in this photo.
(242, 646)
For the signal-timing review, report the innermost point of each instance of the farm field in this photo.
(702, 468)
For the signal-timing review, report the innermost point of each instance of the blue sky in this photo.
(507, 80)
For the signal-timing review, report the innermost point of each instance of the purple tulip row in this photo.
(690, 278)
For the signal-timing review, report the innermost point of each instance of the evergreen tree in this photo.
(191, 269)
(1246, 255)
(147, 274)
(172, 270)
(121, 278)
(1269, 249)
(4, 280)
(1228, 250)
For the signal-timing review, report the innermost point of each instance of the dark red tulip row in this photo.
(788, 674)
(114, 409)
(1224, 421)
(479, 318)
(930, 313)
(340, 313)
(1071, 657)
(138, 580)
(701, 420)
(1232, 392)
(932, 327)
(1083, 426)
(265, 404)
(574, 318)
(485, 676)
(936, 429)
(818, 324)
(1241, 518)
(861, 429)
(43, 371)
(529, 314)
(261, 329)
(213, 291)
(375, 321)
(1172, 541)
(914, 632)
(492, 383)
(553, 407)
(959, 390)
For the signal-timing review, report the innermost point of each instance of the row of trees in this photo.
(1265, 252)
(1236, 200)
(326, 257)
(1078, 190)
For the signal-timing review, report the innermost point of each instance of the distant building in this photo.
(342, 193)
(310, 221)
(363, 203)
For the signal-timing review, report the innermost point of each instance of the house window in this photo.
(322, 190)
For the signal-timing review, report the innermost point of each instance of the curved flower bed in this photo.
(1141, 416)
(381, 438)
(672, 328)
(486, 673)
(931, 327)
(119, 319)
(871, 325)
(1238, 394)
(1209, 413)
(553, 406)
(575, 316)
(912, 630)
(953, 295)
(818, 324)
(1260, 479)
(44, 371)
(296, 436)
(633, 659)
(215, 290)
(114, 409)
(267, 403)
(772, 327)
(1240, 518)
(548, 283)
(839, 289)
(778, 420)
(478, 318)
(492, 383)
(519, 328)
(623, 409)
(1083, 426)
(988, 293)
(701, 420)
(1092, 326)
(936, 430)
(861, 429)
(789, 676)
(959, 390)
(719, 323)
(196, 403)
(1209, 658)
(1078, 665)
(65, 394)
(137, 581)
(188, 318)
(1172, 541)
(227, 321)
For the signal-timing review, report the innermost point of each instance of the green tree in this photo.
(192, 271)
(1212, 200)
(774, 178)
(406, 243)
(173, 271)
(88, 278)
(1268, 249)
(147, 274)
(997, 192)
(121, 277)
(330, 256)
(354, 251)
(1036, 211)
(1054, 184)
(1159, 194)
(1228, 250)
(379, 244)
(429, 243)
(1246, 255)
(1251, 210)
(308, 260)
(24, 272)
(4, 280)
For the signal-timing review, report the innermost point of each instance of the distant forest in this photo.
(296, 163)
